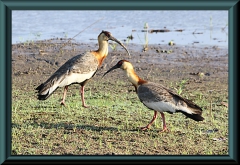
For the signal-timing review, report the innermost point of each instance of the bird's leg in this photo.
(64, 96)
(164, 123)
(82, 97)
(148, 126)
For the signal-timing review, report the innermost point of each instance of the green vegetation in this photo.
(180, 86)
(110, 125)
(145, 44)
(113, 46)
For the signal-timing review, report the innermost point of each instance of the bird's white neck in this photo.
(134, 78)
(103, 48)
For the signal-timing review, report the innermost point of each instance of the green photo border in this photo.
(6, 7)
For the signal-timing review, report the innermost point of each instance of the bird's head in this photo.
(123, 64)
(105, 36)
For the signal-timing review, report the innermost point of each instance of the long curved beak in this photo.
(117, 41)
(111, 69)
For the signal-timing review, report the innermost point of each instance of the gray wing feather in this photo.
(82, 63)
(152, 92)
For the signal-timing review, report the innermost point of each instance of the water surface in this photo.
(199, 27)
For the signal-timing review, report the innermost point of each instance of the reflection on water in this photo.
(198, 27)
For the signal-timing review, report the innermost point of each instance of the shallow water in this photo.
(210, 27)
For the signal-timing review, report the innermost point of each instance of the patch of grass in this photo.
(145, 47)
(113, 46)
(146, 40)
(181, 86)
(109, 126)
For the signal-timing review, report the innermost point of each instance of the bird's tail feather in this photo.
(196, 117)
(44, 92)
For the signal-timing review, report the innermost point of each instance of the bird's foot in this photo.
(145, 128)
(63, 103)
(165, 129)
(85, 106)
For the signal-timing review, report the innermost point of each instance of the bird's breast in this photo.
(161, 106)
(76, 78)
(100, 57)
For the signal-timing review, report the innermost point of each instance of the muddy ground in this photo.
(36, 61)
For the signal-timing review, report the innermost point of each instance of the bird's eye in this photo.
(107, 34)
(120, 63)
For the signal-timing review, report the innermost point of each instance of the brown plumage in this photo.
(159, 98)
(78, 70)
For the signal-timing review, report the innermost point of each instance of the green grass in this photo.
(110, 125)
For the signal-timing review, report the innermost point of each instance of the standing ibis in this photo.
(78, 70)
(157, 97)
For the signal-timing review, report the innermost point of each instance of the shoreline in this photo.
(94, 41)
